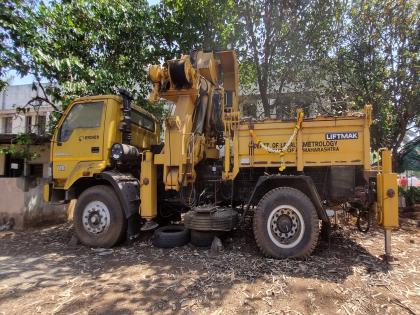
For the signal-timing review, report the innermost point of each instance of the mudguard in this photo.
(127, 188)
(301, 182)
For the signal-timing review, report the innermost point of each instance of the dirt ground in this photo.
(41, 273)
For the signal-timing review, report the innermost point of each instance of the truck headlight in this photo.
(117, 151)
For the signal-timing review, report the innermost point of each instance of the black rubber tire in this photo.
(118, 223)
(364, 220)
(202, 238)
(224, 219)
(171, 236)
(301, 202)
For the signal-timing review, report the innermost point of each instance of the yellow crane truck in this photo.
(214, 168)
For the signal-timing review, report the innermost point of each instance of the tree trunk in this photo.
(265, 101)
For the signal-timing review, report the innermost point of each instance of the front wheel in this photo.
(99, 220)
(286, 224)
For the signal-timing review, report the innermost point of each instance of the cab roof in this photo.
(116, 98)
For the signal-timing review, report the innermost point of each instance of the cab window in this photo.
(142, 120)
(83, 115)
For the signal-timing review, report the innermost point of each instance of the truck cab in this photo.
(82, 142)
(89, 135)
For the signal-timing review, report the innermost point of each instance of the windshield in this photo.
(83, 115)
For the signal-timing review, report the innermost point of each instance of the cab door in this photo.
(79, 138)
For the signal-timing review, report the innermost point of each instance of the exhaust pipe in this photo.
(125, 126)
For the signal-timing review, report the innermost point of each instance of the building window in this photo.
(40, 124)
(13, 166)
(7, 124)
(28, 124)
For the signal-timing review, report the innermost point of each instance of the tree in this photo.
(83, 47)
(342, 52)
(377, 62)
(16, 32)
(181, 25)
(93, 47)
(280, 40)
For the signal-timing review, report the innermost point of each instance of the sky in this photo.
(28, 79)
(17, 80)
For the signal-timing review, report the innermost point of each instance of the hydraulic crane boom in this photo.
(204, 90)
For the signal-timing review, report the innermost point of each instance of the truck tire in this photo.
(286, 224)
(99, 220)
(171, 236)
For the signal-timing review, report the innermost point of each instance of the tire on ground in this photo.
(171, 236)
(202, 238)
(116, 230)
(266, 237)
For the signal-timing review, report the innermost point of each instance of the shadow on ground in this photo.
(39, 265)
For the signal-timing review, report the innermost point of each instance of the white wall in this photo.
(19, 122)
(15, 96)
(22, 200)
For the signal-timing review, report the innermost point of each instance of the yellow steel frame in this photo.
(387, 193)
(183, 149)
(148, 187)
(267, 143)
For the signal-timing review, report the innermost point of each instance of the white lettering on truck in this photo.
(341, 135)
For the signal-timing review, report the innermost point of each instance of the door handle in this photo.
(94, 149)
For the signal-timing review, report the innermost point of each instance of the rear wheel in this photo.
(286, 224)
(99, 220)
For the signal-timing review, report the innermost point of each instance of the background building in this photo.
(22, 179)
(33, 119)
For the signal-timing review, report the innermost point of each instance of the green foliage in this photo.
(344, 54)
(347, 54)
(16, 32)
(376, 61)
(279, 42)
(93, 47)
(181, 25)
(81, 47)
(21, 148)
(411, 195)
